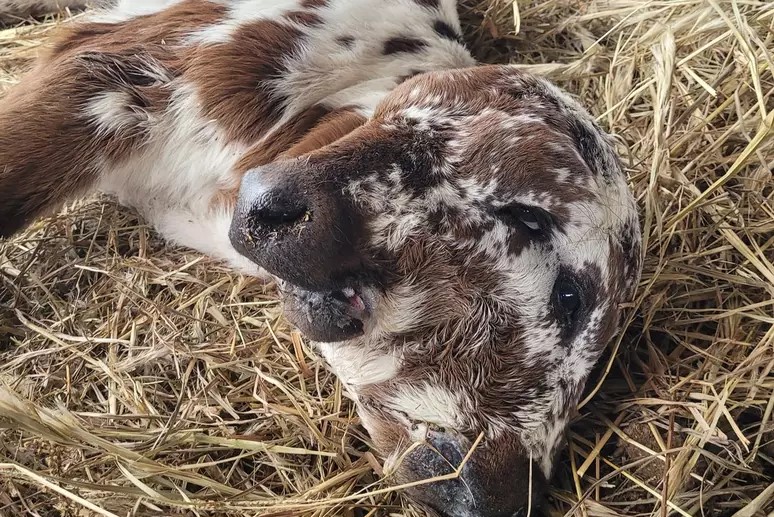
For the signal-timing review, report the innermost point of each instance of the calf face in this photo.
(460, 259)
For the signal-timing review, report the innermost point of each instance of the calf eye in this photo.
(529, 220)
(535, 219)
(567, 299)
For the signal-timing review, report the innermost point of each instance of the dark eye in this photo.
(530, 220)
(534, 219)
(568, 300)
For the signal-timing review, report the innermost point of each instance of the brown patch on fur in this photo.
(311, 4)
(234, 78)
(165, 28)
(55, 158)
(520, 161)
(403, 44)
(310, 130)
(62, 148)
(332, 127)
(282, 139)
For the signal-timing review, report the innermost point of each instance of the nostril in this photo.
(278, 216)
(448, 446)
(450, 453)
(279, 208)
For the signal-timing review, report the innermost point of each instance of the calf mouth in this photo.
(309, 240)
(329, 316)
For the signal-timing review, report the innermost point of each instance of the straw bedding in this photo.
(141, 379)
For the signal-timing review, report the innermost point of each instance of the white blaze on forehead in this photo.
(426, 403)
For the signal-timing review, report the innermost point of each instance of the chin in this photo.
(330, 316)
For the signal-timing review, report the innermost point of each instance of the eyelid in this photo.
(516, 211)
(533, 225)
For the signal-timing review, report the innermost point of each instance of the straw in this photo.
(142, 379)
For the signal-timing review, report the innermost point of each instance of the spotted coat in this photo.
(486, 213)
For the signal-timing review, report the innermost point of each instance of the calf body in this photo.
(167, 104)
(456, 239)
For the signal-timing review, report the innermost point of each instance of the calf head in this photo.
(459, 259)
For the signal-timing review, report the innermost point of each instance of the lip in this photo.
(329, 316)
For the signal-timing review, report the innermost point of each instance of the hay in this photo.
(138, 379)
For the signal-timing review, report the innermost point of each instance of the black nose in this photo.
(494, 482)
(297, 226)
(272, 206)
(278, 208)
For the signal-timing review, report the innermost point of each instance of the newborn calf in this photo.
(456, 239)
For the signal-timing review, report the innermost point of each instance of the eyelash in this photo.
(534, 219)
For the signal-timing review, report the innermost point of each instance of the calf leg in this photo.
(68, 121)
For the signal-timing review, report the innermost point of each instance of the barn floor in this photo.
(139, 379)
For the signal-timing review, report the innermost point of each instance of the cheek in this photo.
(357, 364)
(430, 403)
(393, 233)
(401, 310)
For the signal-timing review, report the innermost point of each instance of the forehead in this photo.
(512, 132)
(456, 92)
(488, 136)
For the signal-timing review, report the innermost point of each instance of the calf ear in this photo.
(69, 119)
(313, 129)
(334, 126)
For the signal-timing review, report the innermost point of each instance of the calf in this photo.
(455, 239)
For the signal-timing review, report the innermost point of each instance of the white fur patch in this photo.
(173, 179)
(428, 404)
(111, 112)
(207, 233)
(357, 366)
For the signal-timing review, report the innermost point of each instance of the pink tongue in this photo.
(357, 303)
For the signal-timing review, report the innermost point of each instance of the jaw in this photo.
(329, 316)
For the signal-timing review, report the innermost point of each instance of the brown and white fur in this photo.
(456, 239)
